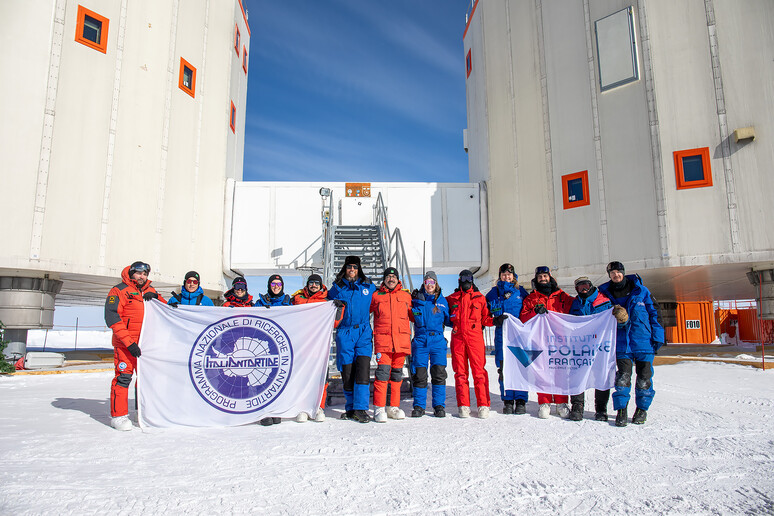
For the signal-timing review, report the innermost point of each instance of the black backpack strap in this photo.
(199, 299)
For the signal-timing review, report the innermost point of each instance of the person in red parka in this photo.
(546, 295)
(124, 312)
(315, 292)
(391, 306)
(469, 313)
(238, 296)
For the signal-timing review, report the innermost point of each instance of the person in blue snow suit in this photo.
(588, 302)
(191, 293)
(504, 298)
(637, 341)
(431, 313)
(275, 295)
(354, 337)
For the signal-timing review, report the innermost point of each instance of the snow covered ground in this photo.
(707, 448)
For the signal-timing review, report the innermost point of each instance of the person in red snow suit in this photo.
(124, 312)
(391, 306)
(546, 295)
(238, 297)
(315, 292)
(468, 313)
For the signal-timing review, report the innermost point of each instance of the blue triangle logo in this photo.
(525, 356)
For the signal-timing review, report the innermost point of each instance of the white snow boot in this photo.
(121, 423)
(483, 412)
(395, 413)
(544, 411)
(320, 415)
(302, 417)
(380, 415)
(463, 411)
(563, 410)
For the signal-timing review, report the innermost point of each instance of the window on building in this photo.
(236, 39)
(92, 29)
(468, 64)
(244, 59)
(616, 49)
(692, 168)
(575, 190)
(187, 79)
(232, 118)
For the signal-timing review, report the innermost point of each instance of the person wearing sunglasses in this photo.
(431, 314)
(275, 296)
(124, 312)
(316, 292)
(468, 314)
(547, 296)
(506, 297)
(637, 341)
(237, 296)
(589, 301)
(353, 338)
(191, 293)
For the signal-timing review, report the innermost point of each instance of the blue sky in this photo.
(356, 90)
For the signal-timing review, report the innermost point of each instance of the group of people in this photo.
(394, 309)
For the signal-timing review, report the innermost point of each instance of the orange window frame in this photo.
(236, 39)
(584, 177)
(680, 180)
(103, 35)
(244, 58)
(469, 63)
(181, 82)
(232, 117)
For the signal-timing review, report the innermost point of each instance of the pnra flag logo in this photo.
(559, 353)
(214, 366)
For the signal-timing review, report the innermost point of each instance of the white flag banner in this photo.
(215, 366)
(559, 353)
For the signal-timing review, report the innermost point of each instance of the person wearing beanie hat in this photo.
(315, 292)
(637, 341)
(547, 296)
(275, 295)
(431, 313)
(506, 297)
(191, 292)
(238, 296)
(468, 314)
(124, 312)
(588, 302)
(391, 306)
(353, 338)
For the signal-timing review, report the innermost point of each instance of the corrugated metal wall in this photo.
(695, 324)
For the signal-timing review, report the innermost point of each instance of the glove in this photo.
(656, 347)
(499, 320)
(540, 309)
(172, 305)
(338, 303)
(417, 295)
(150, 295)
(134, 349)
(620, 314)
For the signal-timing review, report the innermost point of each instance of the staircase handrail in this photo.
(396, 258)
(327, 242)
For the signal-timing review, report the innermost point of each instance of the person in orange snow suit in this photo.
(316, 292)
(391, 306)
(546, 295)
(124, 312)
(468, 313)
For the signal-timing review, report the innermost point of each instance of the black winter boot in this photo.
(439, 411)
(520, 407)
(600, 416)
(622, 419)
(418, 412)
(508, 407)
(576, 412)
(276, 420)
(361, 416)
(267, 421)
(639, 416)
(348, 414)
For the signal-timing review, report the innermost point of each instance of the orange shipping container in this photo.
(695, 324)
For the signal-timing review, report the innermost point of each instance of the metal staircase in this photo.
(362, 241)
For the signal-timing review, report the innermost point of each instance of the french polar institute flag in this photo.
(559, 353)
(215, 366)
